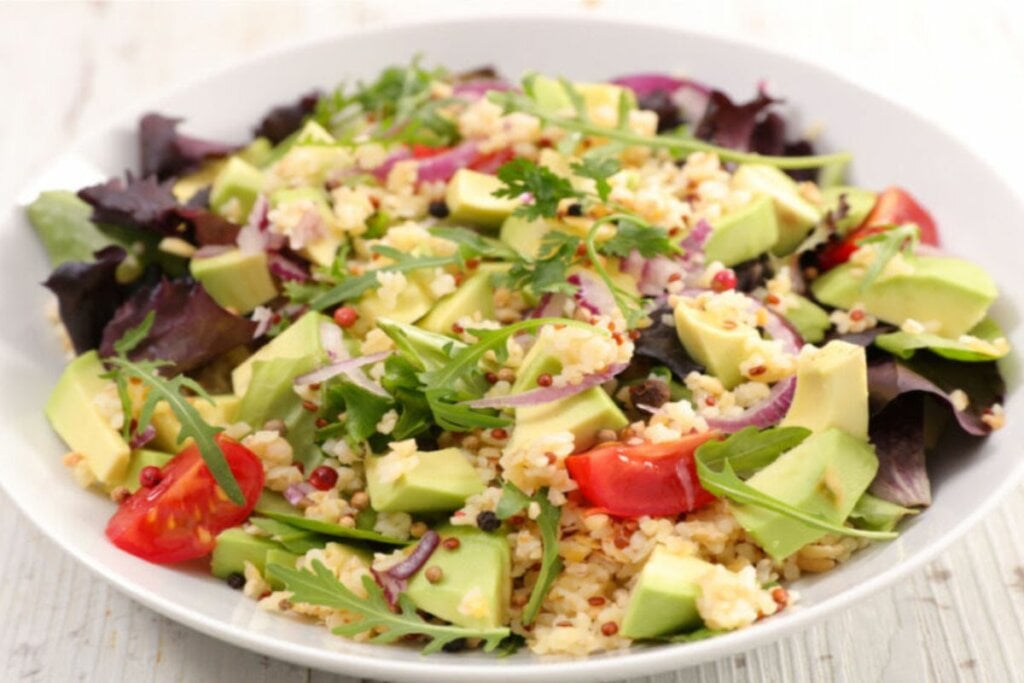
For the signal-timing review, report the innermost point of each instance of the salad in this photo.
(448, 360)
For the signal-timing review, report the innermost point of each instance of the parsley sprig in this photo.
(172, 392)
(541, 188)
(321, 587)
(581, 125)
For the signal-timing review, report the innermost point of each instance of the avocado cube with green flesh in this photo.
(234, 547)
(720, 351)
(220, 413)
(948, 296)
(831, 389)
(312, 200)
(441, 481)
(235, 279)
(78, 420)
(470, 198)
(809, 319)
(282, 558)
(235, 189)
(475, 582)
(825, 475)
(302, 338)
(601, 100)
(664, 599)
(859, 203)
(141, 459)
(796, 216)
(743, 234)
(474, 296)
(412, 303)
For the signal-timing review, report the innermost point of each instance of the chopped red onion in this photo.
(478, 87)
(297, 494)
(399, 154)
(444, 165)
(252, 238)
(548, 394)
(285, 268)
(350, 369)
(262, 316)
(592, 293)
(551, 305)
(211, 250)
(140, 439)
(332, 341)
(395, 579)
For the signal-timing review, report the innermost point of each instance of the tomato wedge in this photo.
(178, 518)
(894, 206)
(650, 479)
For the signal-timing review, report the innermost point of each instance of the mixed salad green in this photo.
(448, 358)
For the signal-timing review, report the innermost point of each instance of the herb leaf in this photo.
(320, 587)
(598, 169)
(649, 240)
(512, 500)
(544, 188)
(887, 244)
(750, 449)
(550, 270)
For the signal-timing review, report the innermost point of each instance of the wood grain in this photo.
(67, 66)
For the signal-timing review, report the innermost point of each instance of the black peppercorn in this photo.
(236, 581)
(488, 521)
(438, 209)
(575, 209)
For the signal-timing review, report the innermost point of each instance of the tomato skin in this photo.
(420, 151)
(490, 163)
(179, 518)
(650, 479)
(894, 206)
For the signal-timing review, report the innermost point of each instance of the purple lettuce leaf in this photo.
(660, 343)
(189, 329)
(207, 227)
(897, 432)
(166, 153)
(144, 204)
(283, 120)
(732, 125)
(888, 379)
(88, 294)
(660, 102)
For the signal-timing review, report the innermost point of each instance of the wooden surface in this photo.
(66, 67)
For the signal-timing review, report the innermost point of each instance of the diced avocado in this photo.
(743, 234)
(140, 459)
(475, 295)
(664, 600)
(274, 506)
(948, 296)
(312, 133)
(809, 319)
(601, 99)
(234, 547)
(720, 351)
(235, 189)
(584, 414)
(470, 197)
(235, 279)
(525, 235)
(78, 421)
(300, 339)
(442, 481)
(859, 203)
(220, 413)
(64, 224)
(271, 396)
(479, 568)
(323, 250)
(825, 475)
(796, 216)
(831, 389)
(413, 302)
(281, 557)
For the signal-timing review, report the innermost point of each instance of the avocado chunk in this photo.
(234, 547)
(525, 235)
(140, 459)
(601, 100)
(831, 389)
(475, 295)
(235, 279)
(441, 482)
(323, 250)
(470, 197)
(412, 303)
(220, 413)
(859, 203)
(825, 475)
(796, 216)
(719, 350)
(271, 395)
(948, 296)
(809, 319)
(475, 585)
(64, 224)
(664, 600)
(302, 338)
(76, 418)
(743, 234)
(584, 414)
(235, 189)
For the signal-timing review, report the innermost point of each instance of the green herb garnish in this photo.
(887, 245)
(512, 501)
(321, 587)
(598, 169)
(171, 391)
(544, 188)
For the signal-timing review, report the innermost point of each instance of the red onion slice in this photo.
(140, 439)
(443, 166)
(763, 414)
(263, 317)
(644, 84)
(332, 341)
(476, 88)
(253, 236)
(551, 305)
(286, 269)
(350, 369)
(548, 394)
(592, 293)
(395, 579)
(401, 154)
(297, 494)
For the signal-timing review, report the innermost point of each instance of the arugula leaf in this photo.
(887, 244)
(872, 512)
(321, 587)
(355, 286)
(363, 409)
(649, 240)
(751, 449)
(512, 501)
(724, 483)
(544, 188)
(451, 416)
(475, 244)
(171, 391)
(599, 169)
(699, 634)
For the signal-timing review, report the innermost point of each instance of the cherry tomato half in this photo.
(650, 479)
(178, 518)
(894, 206)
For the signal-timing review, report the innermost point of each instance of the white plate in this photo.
(974, 207)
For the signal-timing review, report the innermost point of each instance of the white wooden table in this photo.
(67, 67)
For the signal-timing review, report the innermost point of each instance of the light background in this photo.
(65, 68)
